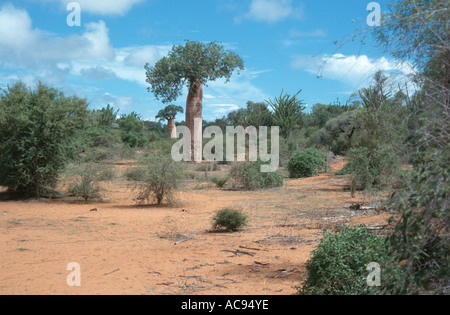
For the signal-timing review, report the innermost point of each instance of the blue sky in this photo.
(286, 45)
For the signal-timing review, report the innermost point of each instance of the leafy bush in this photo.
(421, 239)
(229, 219)
(250, 176)
(132, 130)
(157, 178)
(338, 265)
(219, 181)
(40, 131)
(306, 163)
(372, 168)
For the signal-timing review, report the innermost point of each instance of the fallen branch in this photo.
(108, 273)
(283, 273)
(198, 266)
(251, 248)
(154, 272)
(183, 240)
(237, 252)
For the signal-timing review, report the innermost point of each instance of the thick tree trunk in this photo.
(193, 112)
(172, 128)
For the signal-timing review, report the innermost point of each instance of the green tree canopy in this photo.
(132, 130)
(195, 61)
(287, 112)
(169, 112)
(39, 131)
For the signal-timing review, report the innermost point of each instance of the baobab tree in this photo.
(191, 65)
(170, 113)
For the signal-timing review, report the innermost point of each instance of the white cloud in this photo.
(123, 103)
(52, 58)
(356, 71)
(139, 56)
(15, 29)
(98, 73)
(240, 88)
(271, 11)
(24, 46)
(223, 108)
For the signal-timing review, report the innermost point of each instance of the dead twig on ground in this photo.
(108, 273)
(183, 240)
(199, 266)
(237, 252)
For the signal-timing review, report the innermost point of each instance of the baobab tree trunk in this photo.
(193, 112)
(172, 128)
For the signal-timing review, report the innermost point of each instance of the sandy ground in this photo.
(123, 248)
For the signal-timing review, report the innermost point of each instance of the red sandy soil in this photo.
(124, 248)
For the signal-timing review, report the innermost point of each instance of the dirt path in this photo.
(127, 249)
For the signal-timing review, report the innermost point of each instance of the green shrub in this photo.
(219, 181)
(306, 163)
(250, 176)
(84, 179)
(338, 265)
(229, 219)
(157, 178)
(214, 167)
(132, 130)
(373, 168)
(40, 131)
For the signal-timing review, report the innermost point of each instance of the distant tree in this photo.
(238, 117)
(106, 116)
(320, 114)
(169, 113)
(254, 114)
(287, 112)
(40, 131)
(191, 65)
(132, 130)
(222, 123)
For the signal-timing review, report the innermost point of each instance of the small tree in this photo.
(132, 130)
(287, 112)
(157, 178)
(85, 179)
(169, 113)
(106, 116)
(40, 131)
